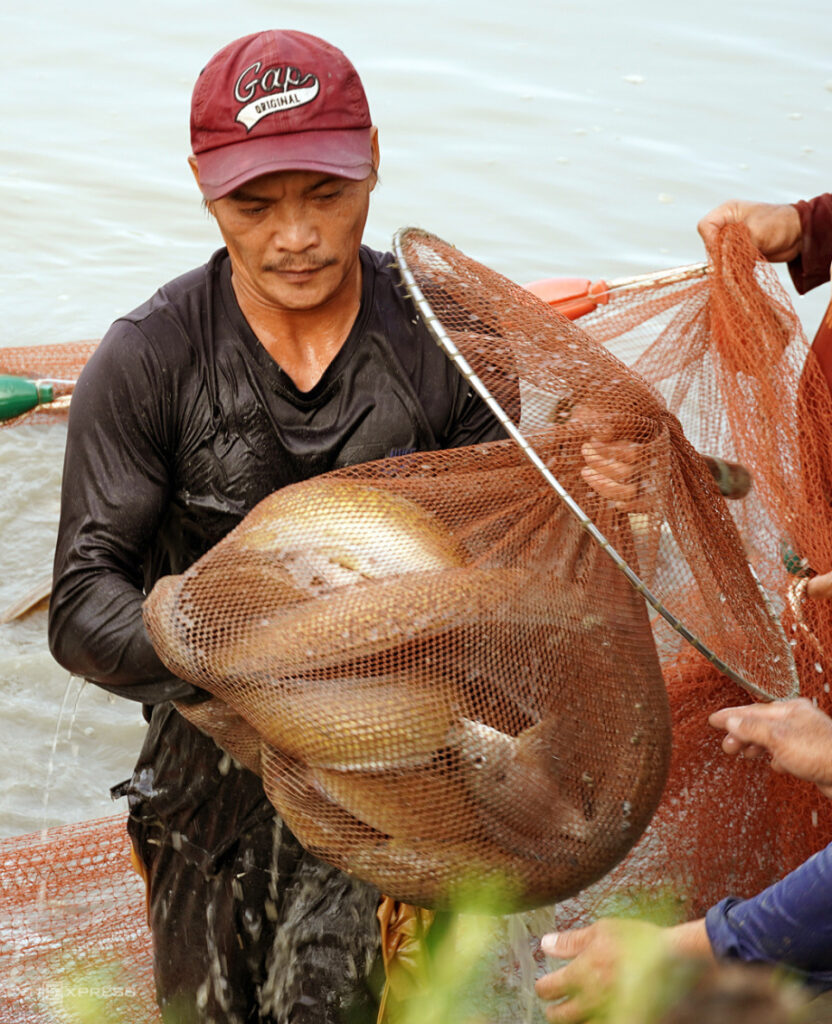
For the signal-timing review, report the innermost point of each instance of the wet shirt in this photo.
(180, 424)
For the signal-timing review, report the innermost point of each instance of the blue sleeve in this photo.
(789, 923)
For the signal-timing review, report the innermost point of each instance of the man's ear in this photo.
(195, 171)
(375, 154)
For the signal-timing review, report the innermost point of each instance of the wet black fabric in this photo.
(180, 424)
(269, 934)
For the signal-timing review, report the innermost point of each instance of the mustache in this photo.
(290, 264)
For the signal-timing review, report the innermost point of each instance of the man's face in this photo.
(293, 236)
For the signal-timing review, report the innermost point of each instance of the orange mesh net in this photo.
(72, 927)
(64, 362)
(435, 668)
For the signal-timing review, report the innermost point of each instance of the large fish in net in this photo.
(442, 676)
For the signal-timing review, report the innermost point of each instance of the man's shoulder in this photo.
(168, 326)
(161, 334)
(181, 298)
(389, 294)
(382, 269)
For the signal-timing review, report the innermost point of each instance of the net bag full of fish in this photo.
(443, 679)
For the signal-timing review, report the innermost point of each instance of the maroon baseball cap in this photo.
(278, 101)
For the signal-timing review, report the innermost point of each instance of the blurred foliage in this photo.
(89, 993)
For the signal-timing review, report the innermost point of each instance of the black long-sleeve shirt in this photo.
(181, 423)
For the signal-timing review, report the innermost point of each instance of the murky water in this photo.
(544, 138)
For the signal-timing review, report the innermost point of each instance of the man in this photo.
(789, 923)
(293, 351)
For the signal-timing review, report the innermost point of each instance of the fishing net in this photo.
(455, 596)
(451, 681)
(63, 361)
(73, 932)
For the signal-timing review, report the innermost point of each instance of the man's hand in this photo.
(796, 734)
(774, 228)
(604, 956)
(586, 983)
(612, 470)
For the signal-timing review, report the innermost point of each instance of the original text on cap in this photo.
(278, 88)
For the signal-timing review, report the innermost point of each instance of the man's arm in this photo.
(473, 422)
(799, 233)
(114, 492)
(775, 228)
(601, 955)
(789, 923)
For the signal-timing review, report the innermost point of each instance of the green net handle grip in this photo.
(19, 395)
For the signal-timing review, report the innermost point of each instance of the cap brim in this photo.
(347, 154)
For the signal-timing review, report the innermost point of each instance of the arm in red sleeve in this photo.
(811, 267)
(115, 489)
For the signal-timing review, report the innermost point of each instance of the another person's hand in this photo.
(600, 955)
(774, 227)
(796, 734)
(616, 470)
(819, 588)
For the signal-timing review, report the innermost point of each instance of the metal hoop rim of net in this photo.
(446, 343)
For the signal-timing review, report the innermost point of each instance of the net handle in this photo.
(444, 341)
